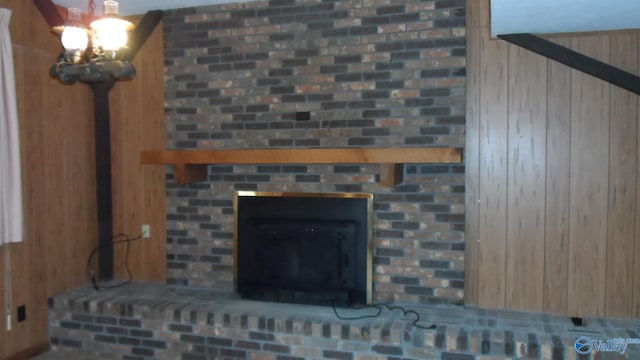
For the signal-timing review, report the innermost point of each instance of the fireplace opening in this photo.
(307, 248)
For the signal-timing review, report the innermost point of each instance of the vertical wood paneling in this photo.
(30, 193)
(55, 211)
(29, 271)
(56, 131)
(472, 154)
(526, 188)
(478, 13)
(636, 246)
(137, 124)
(622, 184)
(589, 185)
(556, 250)
(493, 172)
(28, 28)
(154, 176)
(125, 127)
(556, 172)
(57, 230)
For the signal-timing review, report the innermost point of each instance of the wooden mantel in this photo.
(191, 165)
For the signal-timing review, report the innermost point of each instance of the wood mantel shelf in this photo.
(191, 165)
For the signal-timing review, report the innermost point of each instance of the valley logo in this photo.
(585, 345)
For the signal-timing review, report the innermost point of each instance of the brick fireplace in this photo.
(321, 74)
(305, 74)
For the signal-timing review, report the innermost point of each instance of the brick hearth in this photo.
(153, 321)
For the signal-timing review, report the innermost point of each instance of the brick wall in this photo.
(309, 73)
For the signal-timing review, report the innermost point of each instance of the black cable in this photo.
(103, 244)
(407, 312)
(379, 308)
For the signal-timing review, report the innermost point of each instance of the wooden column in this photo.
(104, 196)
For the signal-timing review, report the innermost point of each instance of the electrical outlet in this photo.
(146, 231)
(22, 313)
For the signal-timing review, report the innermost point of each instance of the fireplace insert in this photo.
(308, 248)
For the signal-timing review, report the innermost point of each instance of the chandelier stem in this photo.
(91, 8)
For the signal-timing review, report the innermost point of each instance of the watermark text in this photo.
(585, 345)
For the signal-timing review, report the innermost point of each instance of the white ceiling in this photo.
(561, 16)
(507, 16)
(133, 7)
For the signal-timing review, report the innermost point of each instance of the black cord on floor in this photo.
(106, 243)
(389, 307)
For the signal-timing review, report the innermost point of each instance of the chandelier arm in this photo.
(92, 8)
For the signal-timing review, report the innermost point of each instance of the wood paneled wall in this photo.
(552, 185)
(56, 134)
(139, 196)
(56, 131)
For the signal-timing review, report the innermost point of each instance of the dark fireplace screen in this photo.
(303, 248)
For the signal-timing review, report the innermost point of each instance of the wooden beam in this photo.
(305, 156)
(191, 165)
(49, 12)
(187, 173)
(104, 196)
(141, 33)
(576, 60)
(391, 174)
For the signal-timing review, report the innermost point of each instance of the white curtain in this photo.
(11, 217)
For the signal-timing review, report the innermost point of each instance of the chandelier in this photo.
(94, 53)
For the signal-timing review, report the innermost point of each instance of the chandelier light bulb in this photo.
(111, 31)
(74, 36)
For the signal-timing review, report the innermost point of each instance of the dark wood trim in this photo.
(31, 352)
(102, 123)
(49, 12)
(188, 173)
(391, 174)
(141, 33)
(576, 60)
